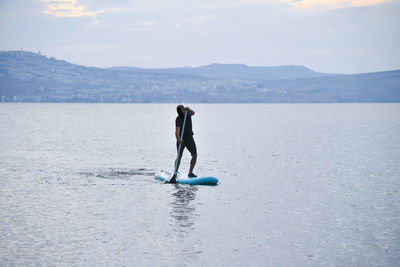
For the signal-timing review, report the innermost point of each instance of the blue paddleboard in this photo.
(164, 176)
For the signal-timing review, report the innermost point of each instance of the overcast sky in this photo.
(335, 36)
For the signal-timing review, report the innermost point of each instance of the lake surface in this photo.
(300, 185)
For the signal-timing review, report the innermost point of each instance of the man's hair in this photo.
(179, 110)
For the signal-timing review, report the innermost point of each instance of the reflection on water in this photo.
(183, 211)
(183, 216)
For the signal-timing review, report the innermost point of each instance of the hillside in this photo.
(31, 77)
(240, 71)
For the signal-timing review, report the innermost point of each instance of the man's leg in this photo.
(191, 146)
(179, 162)
(192, 163)
(173, 179)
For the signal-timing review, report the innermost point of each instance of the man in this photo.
(187, 140)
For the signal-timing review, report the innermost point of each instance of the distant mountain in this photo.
(239, 71)
(31, 77)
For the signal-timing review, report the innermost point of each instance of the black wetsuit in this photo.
(188, 140)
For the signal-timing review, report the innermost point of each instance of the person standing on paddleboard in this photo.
(187, 140)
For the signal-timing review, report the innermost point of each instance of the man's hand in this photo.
(180, 141)
(191, 112)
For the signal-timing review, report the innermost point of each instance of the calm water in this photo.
(300, 185)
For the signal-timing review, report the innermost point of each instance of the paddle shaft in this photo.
(179, 148)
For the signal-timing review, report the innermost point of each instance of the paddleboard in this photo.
(165, 177)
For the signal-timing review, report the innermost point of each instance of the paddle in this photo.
(179, 148)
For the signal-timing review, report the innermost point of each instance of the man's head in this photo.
(181, 110)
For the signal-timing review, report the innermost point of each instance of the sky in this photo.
(330, 36)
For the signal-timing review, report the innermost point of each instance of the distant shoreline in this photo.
(35, 78)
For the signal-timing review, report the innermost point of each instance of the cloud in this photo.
(68, 8)
(333, 3)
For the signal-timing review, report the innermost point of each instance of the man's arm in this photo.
(191, 112)
(177, 133)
